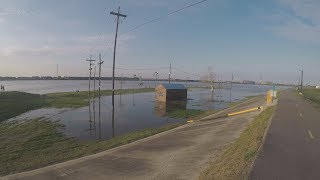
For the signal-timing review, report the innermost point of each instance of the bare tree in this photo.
(209, 79)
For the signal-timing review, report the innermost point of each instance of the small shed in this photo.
(171, 92)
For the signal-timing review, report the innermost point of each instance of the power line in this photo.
(197, 75)
(165, 16)
(159, 19)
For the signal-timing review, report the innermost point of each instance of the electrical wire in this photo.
(165, 16)
(158, 19)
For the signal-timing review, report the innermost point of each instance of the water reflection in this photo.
(132, 112)
(162, 109)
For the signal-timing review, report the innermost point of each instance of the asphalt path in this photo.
(292, 145)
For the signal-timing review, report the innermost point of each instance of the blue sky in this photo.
(252, 39)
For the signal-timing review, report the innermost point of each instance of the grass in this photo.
(22, 142)
(198, 114)
(243, 100)
(237, 158)
(14, 103)
(312, 95)
(184, 113)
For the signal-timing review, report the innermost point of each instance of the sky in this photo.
(269, 40)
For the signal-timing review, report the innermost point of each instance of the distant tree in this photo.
(209, 79)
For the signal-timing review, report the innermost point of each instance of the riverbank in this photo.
(14, 103)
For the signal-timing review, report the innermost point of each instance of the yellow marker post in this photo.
(190, 121)
(269, 97)
(244, 111)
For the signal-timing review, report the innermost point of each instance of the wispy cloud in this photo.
(298, 20)
(76, 45)
(15, 11)
(2, 20)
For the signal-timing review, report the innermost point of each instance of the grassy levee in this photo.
(312, 95)
(15, 103)
(37, 143)
(237, 158)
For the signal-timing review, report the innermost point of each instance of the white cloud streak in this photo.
(79, 45)
(298, 20)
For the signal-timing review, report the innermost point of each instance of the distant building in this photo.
(248, 82)
(171, 92)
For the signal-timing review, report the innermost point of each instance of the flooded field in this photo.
(52, 86)
(133, 112)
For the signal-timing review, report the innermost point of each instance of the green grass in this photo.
(312, 95)
(15, 103)
(237, 158)
(242, 100)
(22, 142)
(184, 114)
(198, 114)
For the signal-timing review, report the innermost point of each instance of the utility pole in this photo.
(115, 47)
(90, 70)
(57, 71)
(301, 81)
(156, 75)
(170, 74)
(94, 82)
(232, 76)
(100, 63)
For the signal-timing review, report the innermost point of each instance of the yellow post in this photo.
(269, 97)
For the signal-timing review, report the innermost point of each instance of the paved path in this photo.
(292, 146)
(181, 153)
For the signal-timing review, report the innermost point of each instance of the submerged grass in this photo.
(22, 142)
(14, 103)
(236, 160)
(80, 99)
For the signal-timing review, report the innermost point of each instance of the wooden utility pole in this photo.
(90, 70)
(100, 63)
(94, 82)
(170, 74)
(232, 76)
(57, 71)
(118, 15)
(301, 81)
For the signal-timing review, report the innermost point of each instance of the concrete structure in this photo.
(171, 92)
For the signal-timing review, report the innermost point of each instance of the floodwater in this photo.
(52, 86)
(133, 112)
